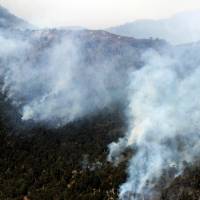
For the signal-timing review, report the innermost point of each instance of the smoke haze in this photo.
(54, 84)
(163, 119)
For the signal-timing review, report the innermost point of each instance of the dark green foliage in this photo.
(69, 163)
(48, 164)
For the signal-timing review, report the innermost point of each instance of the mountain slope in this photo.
(69, 162)
(180, 28)
(10, 21)
(97, 60)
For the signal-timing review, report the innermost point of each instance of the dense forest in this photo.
(64, 163)
(70, 163)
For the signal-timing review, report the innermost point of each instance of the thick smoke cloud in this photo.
(54, 84)
(163, 115)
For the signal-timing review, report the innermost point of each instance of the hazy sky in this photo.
(95, 13)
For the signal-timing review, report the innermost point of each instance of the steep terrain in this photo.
(69, 162)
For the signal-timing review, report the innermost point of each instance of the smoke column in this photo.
(50, 82)
(163, 116)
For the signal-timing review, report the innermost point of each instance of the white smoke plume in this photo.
(164, 116)
(54, 85)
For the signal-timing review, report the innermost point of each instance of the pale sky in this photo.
(95, 13)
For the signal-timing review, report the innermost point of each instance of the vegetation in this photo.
(66, 163)
(69, 163)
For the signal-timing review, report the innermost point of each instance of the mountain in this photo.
(180, 28)
(10, 21)
(98, 62)
(80, 79)
(68, 162)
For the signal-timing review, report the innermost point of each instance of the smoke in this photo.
(55, 82)
(163, 116)
(51, 82)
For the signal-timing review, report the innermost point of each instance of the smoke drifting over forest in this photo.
(163, 115)
(55, 84)
(57, 81)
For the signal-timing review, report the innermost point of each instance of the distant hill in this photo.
(10, 21)
(181, 28)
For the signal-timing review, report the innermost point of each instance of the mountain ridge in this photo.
(10, 21)
(178, 29)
